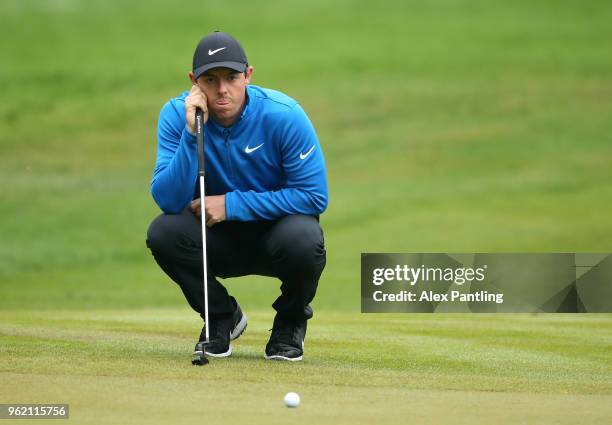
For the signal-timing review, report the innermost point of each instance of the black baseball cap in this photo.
(216, 50)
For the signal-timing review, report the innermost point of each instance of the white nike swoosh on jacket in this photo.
(249, 150)
(305, 155)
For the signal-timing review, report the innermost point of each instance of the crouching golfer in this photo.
(266, 185)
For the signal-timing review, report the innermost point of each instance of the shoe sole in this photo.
(220, 355)
(199, 353)
(234, 334)
(239, 328)
(283, 358)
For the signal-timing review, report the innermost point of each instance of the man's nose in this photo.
(222, 87)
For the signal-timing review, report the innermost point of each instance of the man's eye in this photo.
(209, 80)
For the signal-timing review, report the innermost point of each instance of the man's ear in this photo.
(191, 78)
(248, 74)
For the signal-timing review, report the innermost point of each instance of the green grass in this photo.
(447, 126)
(126, 364)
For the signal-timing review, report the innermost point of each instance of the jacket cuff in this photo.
(229, 199)
(188, 137)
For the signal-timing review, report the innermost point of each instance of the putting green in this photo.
(118, 366)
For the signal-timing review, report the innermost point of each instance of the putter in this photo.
(199, 355)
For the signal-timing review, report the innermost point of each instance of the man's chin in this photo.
(225, 113)
(222, 115)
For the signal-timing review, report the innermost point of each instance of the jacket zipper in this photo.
(226, 136)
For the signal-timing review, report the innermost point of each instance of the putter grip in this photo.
(200, 139)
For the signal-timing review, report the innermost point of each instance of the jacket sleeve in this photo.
(176, 167)
(305, 191)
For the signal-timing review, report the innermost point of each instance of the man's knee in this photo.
(299, 240)
(165, 231)
(158, 233)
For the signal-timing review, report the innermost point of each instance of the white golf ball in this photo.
(292, 400)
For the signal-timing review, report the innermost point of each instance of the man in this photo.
(266, 185)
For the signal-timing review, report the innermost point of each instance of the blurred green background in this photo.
(448, 126)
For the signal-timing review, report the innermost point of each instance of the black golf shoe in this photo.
(223, 329)
(287, 340)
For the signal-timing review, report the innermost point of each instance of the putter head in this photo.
(199, 361)
(199, 355)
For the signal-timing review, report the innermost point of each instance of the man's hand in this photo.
(215, 209)
(195, 99)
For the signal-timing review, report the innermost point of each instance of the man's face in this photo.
(225, 90)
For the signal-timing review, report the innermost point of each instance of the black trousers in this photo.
(290, 248)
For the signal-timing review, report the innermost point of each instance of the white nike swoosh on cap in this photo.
(304, 155)
(212, 52)
(249, 150)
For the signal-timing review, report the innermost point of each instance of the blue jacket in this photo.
(269, 163)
